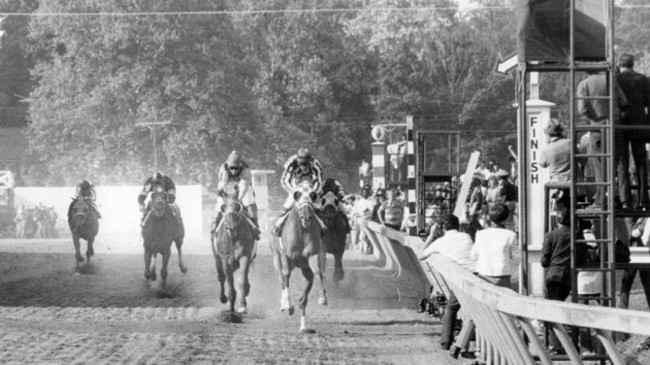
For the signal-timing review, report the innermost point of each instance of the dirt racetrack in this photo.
(109, 315)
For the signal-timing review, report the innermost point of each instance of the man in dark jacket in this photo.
(635, 88)
(596, 111)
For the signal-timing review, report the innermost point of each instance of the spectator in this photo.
(456, 246)
(556, 261)
(597, 112)
(397, 153)
(364, 209)
(640, 237)
(508, 196)
(556, 154)
(495, 248)
(21, 220)
(380, 198)
(493, 195)
(637, 92)
(391, 212)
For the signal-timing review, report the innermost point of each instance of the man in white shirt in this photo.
(457, 247)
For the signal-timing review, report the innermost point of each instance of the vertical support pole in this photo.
(410, 153)
(522, 138)
(378, 165)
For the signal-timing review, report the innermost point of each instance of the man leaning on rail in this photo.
(457, 247)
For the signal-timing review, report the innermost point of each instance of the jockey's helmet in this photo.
(304, 156)
(157, 177)
(234, 161)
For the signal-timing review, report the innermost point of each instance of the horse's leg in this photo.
(77, 249)
(181, 265)
(147, 266)
(317, 264)
(338, 268)
(163, 270)
(232, 294)
(221, 275)
(285, 276)
(244, 286)
(308, 273)
(90, 251)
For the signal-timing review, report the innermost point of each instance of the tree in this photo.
(104, 74)
(15, 83)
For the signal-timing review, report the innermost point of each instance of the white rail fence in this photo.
(504, 319)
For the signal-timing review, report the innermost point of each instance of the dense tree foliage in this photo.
(262, 77)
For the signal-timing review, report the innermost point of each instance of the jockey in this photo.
(235, 178)
(86, 190)
(159, 179)
(337, 189)
(300, 167)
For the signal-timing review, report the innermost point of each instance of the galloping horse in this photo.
(300, 246)
(233, 247)
(84, 224)
(160, 229)
(336, 234)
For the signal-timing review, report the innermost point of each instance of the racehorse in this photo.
(233, 248)
(336, 234)
(84, 224)
(161, 228)
(300, 246)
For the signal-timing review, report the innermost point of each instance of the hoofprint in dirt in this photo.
(50, 314)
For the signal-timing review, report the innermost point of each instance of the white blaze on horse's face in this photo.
(232, 215)
(305, 196)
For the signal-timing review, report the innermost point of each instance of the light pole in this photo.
(152, 127)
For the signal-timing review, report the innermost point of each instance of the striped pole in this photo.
(410, 153)
(378, 165)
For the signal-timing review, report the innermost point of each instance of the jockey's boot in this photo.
(348, 228)
(256, 229)
(277, 229)
(251, 210)
(216, 221)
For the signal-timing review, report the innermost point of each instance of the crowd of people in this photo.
(490, 251)
(36, 222)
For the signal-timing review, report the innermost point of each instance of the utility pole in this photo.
(152, 127)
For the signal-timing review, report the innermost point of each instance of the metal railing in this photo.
(505, 320)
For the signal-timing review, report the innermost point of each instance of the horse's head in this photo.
(158, 201)
(329, 205)
(232, 214)
(80, 211)
(305, 197)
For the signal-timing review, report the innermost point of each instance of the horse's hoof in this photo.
(292, 309)
(90, 252)
(79, 258)
(322, 301)
(184, 269)
(242, 310)
(229, 317)
(223, 299)
(307, 331)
